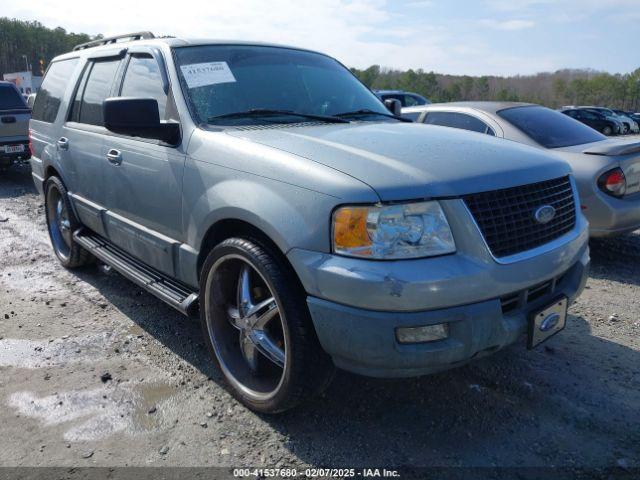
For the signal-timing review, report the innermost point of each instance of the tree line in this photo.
(563, 87)
(35, 41)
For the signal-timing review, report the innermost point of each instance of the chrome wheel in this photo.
(246, 327)
(59, 223)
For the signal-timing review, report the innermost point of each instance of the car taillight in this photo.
(613, 182)
(31, 141)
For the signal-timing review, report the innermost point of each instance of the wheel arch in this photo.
(227, 228)
(51, 171)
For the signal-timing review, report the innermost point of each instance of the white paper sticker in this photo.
(210, 73)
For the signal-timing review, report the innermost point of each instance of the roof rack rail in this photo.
(114, 39)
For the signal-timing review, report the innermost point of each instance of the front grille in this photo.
(506, 217)
(522, 298)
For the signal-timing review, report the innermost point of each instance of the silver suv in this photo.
(269, 189)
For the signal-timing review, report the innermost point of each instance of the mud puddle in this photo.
(97, 413)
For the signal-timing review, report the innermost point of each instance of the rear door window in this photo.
(74, 115)
(458, 120)
(143, 80)
(52, 91)
(96, 90)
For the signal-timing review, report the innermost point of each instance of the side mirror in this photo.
(138, 117)
(394, 106)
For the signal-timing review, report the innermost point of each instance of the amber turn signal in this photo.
(350, 228)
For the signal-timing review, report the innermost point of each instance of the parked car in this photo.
(630, 124)
(14, 126)
(611, 114)
(595, 119)
(266, 186)
(607, 171)
(406, 99)
(635, 116)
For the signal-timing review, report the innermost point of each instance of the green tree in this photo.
(467, 87)
(482, 87)
(369, 76)
(35, 41)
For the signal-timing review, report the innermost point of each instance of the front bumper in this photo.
(364, 341)
(356, 304)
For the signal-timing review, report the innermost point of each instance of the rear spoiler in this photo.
(614, 149)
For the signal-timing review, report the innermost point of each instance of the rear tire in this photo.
(61, 223)
(258, 328)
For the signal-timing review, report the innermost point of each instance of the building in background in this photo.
(26, 82)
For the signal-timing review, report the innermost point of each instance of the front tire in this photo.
(61, 223)
(258, 328)
(608, 131)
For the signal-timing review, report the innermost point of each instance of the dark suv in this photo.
(595, 119)
(406, 99)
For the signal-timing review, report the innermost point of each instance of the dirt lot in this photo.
(573, 403)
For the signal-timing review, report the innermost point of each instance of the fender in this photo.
(268, 207)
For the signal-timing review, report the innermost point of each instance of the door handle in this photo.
(114, 156)
(63, 143)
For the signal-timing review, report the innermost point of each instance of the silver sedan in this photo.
(607, 171)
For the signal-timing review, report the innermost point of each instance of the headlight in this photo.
(392, 232)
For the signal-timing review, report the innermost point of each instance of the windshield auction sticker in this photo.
(210, 73)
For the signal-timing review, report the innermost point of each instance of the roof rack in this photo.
(115, 39)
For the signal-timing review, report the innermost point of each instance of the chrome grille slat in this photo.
(506, 217)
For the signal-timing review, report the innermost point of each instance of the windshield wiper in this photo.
(366, 111)
(266, 112)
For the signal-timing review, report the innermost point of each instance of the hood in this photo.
(403, 161)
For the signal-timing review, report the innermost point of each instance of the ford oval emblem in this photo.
(549, 322)
(544, 214)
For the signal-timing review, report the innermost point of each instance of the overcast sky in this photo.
(482, 37)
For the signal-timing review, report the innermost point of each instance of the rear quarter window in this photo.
(550, 128)
(52, 91)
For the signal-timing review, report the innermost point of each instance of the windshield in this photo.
(549, 128)
(10, 98)
(220, 80)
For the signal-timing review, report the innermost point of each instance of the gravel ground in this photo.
(95, 372)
